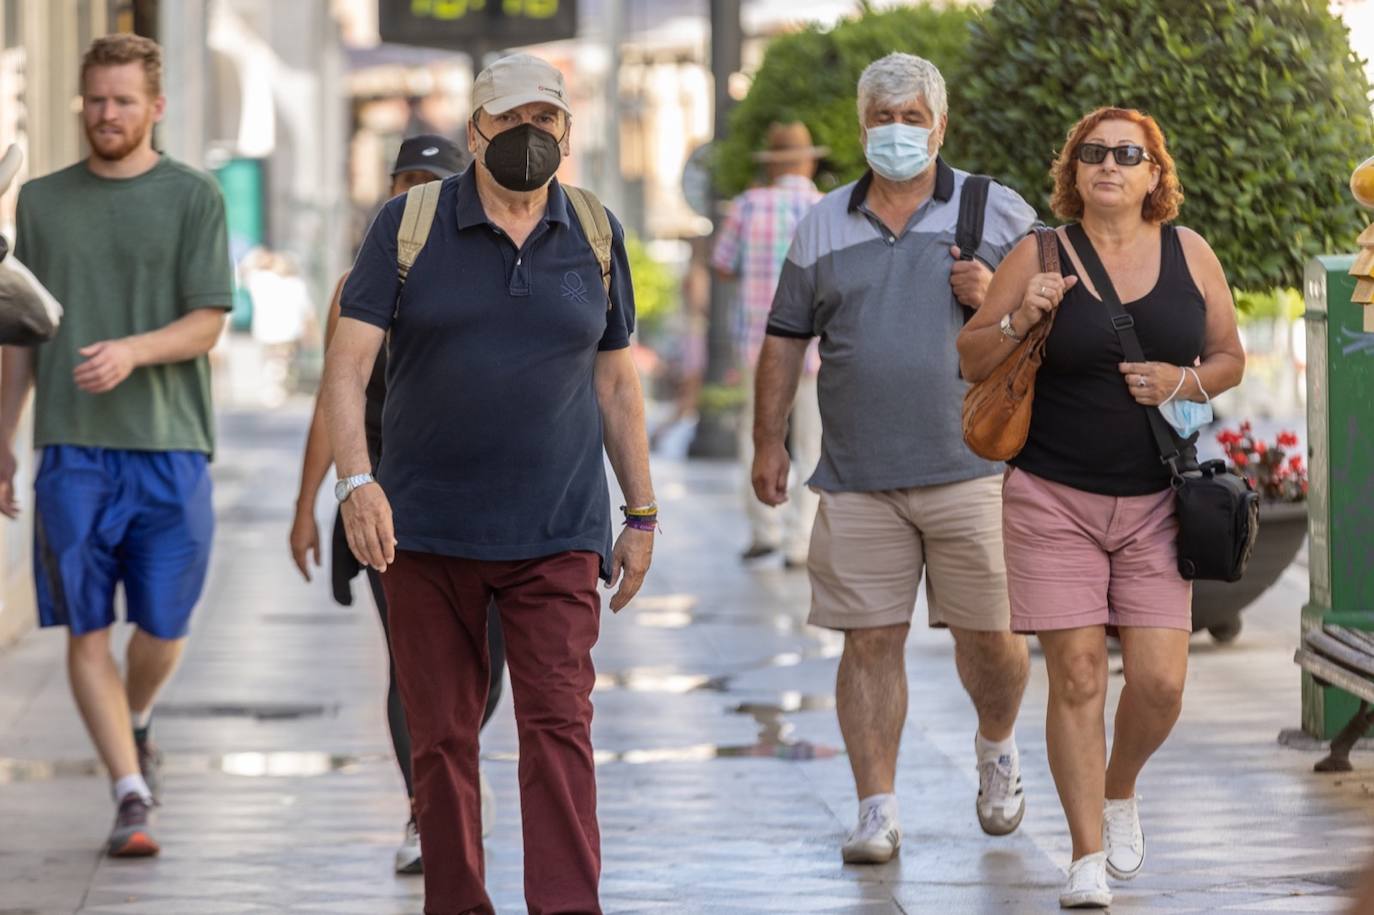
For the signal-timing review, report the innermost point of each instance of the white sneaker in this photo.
(408, 860)
(1001, 802)
(1086, 886)
(875, 840)
(488, 803)
(1123, 838)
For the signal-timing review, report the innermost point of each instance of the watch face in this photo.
(341, 490)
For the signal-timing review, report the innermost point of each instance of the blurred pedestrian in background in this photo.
(420, 160)
(751, 246)
(283, 318)
(134, 245)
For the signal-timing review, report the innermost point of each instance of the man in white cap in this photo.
(509, 371)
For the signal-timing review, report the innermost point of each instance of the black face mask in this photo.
(523, 158)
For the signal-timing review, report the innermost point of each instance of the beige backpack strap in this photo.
(421, 203)
(596, 225)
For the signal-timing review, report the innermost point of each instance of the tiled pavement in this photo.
(720, 787)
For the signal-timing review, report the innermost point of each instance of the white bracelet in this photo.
(1182, 377)
(1207, 398)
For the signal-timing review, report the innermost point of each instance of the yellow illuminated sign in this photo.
(454, 10)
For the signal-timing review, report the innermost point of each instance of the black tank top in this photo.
(372, 414)
(1086, 430)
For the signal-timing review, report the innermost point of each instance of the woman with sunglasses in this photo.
(1088, 515)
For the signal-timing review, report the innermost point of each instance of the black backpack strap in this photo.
(1124, 325)
(973, 202)
(968, 233)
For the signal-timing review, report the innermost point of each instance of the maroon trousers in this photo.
(550, 611)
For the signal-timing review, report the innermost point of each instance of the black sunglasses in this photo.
(1125, 154)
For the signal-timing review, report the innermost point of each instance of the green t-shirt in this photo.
(124, 256)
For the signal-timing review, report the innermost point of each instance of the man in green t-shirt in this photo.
(134, 246)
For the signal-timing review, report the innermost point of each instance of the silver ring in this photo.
(1042, 290)
(1141, 382)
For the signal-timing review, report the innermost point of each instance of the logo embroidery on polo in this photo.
(573, 288)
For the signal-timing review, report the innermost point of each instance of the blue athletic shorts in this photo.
(104, 516)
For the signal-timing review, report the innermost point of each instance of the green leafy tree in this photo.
(1265, 108)
(812, 76)
(655, 287)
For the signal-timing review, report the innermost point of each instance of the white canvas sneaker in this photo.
(1001, 802)
(408, 860)
(875, 840)
(1086, 886)
(1122, 837)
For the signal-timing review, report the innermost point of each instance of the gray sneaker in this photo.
(150, 766)
(132, 836)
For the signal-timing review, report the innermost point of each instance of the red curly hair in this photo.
(1160, 205)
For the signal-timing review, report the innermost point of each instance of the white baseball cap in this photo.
(518, 80)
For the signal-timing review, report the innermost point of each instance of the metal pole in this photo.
(183, 25)
(611, 185)
(714, 437)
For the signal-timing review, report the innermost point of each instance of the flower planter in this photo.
(1217, 604)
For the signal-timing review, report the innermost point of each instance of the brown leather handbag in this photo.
(997, 410)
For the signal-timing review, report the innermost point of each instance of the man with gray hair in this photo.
(874, 273)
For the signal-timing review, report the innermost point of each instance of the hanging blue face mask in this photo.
(1187, 416)
(898, 152)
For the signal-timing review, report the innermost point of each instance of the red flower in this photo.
(1265, 463)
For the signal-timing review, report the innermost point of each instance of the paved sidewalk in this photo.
(722, 790)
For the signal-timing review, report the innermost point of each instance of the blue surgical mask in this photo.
(1187, 416)
(898, 152)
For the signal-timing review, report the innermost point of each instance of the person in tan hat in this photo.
(750, 248)
(508, 372)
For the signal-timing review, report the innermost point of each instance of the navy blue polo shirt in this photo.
(493, 439)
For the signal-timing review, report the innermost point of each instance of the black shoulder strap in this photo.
(973, 202)
(1124, 325)
(968, 233)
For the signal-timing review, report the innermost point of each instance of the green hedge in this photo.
(1265, 108)
(812, 75)
(1264, 105)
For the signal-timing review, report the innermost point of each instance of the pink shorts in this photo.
(1078, 559)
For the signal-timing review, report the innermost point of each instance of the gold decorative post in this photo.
(1362, 188)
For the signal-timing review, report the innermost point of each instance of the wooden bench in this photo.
(1344, 658)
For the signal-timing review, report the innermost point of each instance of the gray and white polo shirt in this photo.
(890, 390)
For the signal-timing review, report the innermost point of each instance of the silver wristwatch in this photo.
(344, 488)
(1007, 330)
